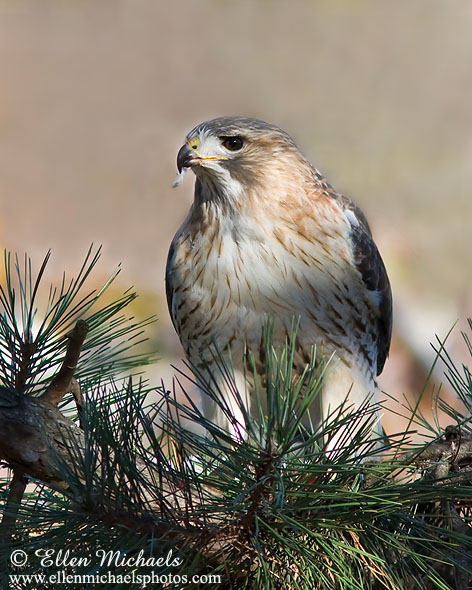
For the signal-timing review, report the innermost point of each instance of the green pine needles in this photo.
(152, 494)
(35, 318)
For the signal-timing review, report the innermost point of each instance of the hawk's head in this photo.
(230, 155)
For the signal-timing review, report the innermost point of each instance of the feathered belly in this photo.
(228, 297)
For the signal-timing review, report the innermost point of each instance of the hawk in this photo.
(266, 235)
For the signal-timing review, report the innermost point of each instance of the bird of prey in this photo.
(266, 235)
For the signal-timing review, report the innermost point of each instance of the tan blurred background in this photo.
(97, 96)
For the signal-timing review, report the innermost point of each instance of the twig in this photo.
(27, 350)
(61, 384)
(10, 511)
(439, 451)
(263, 471)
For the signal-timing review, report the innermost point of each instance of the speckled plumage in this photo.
(267, 235)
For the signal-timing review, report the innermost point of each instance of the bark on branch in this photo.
(33, 432)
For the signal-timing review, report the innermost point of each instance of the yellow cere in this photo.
(194, 143)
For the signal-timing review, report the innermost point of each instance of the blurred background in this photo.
(96, 98)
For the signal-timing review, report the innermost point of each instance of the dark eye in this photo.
(233, 144)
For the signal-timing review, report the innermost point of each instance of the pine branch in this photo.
(33, 431)
(272, 508)
(181, 509)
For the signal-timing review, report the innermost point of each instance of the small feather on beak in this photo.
(179, 177)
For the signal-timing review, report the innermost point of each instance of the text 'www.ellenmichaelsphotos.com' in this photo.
(60, 566)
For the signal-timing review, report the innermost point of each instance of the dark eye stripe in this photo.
(233, 143)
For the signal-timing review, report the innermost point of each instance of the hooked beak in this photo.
(186, 157)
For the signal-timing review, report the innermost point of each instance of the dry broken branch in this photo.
(64, 381)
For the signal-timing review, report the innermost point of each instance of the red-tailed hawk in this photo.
(268, 236)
